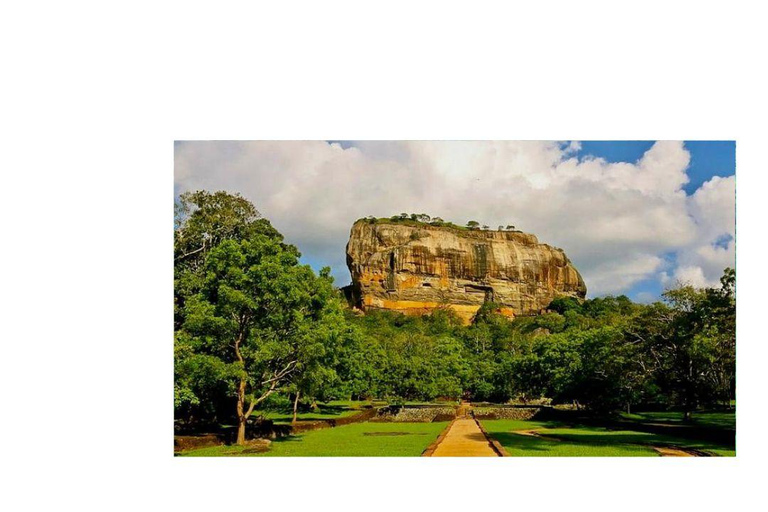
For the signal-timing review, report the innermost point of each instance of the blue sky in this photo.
(633, 216)
(708, 159)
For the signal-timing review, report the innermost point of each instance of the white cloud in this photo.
(691, 275)
(615, 221)
(713, 208)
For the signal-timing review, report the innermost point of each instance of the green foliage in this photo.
(202, 221)
(405, 358)
(552, 322)
(255, 322)
(260, 316)
(254, 328)
(594, 353)
(422, 219)
(564, 304)
(692, 341)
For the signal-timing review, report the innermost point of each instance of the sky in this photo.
(634, 217)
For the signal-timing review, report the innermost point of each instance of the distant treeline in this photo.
(254, 328)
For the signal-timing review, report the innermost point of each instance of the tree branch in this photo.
(282, 373)
(190, 253)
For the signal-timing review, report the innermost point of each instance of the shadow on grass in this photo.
(716, 428)
(287, 439)
(522, 442)
(527, 445)
(706, 418)
(642, 438)
(554, 438)
(287, 418)
(322, 412)
(598, 439)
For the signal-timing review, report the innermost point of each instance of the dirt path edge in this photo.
(434, 444)
(497, 446)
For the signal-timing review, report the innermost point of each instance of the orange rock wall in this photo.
(415, 269)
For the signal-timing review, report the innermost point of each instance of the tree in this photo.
(202, 220)
(202, 389)
(690, 342)
(563, 304)
(315, 374)
(722, 328)
(554, 366)
(608, 375)
(473, 224)
(258, 313)
(552, 322)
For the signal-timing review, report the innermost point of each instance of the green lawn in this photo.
(717, 419)
(325, 411)
(438, 404)
(582, 441)
(355, 440)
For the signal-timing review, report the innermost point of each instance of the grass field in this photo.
(555, 438)
(324, 411)
(716, 419)
(583, 441)
(355, 440)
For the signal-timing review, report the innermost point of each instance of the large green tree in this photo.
(259, 313)
(315, 376)
(202, 220)
(691, 341)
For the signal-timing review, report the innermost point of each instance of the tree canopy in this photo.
(253, 325)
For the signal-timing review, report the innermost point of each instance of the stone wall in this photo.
(505, 413)
(416, 414)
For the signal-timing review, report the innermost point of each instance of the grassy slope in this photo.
(586, 441)
(345, 441)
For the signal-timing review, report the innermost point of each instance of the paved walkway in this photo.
(464, 439)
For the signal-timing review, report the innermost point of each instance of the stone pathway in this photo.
(464, 439)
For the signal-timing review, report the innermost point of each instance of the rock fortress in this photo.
(415, 267)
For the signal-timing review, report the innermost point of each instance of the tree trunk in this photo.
(241, 417)
(628, 412)
(241, 431)
(295, 407)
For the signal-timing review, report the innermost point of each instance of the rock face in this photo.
(414, 268)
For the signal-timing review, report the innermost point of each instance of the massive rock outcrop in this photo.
(414, 268)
